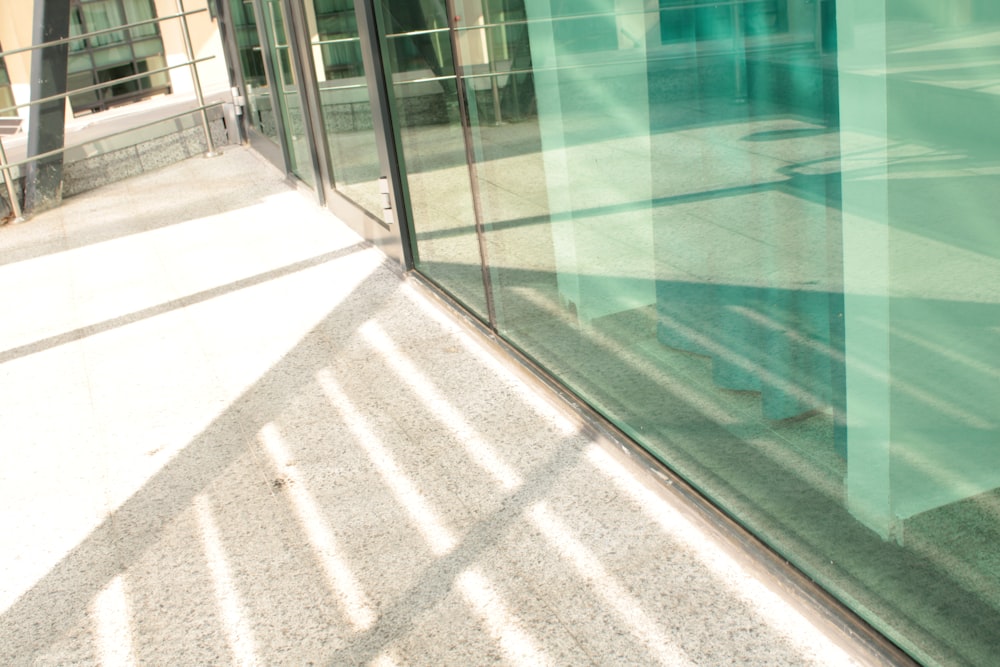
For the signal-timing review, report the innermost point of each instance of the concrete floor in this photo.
(231, 434)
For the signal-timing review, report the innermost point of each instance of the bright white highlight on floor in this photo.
(112, 625)
(528, 395)
(426, 520)
(768, 605)
(232, 611)
(503, 626)
(613, 594)
(478, 449)
(357, 607)
(387, 659)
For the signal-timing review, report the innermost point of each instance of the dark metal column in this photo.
(46, 121)
(386, 139)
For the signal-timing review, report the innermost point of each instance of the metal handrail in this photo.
(340, 40)
(56, 151)
(98, 86)
(102, 31)
(191, 62)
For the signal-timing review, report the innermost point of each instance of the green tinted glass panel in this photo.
(761, 238)
(346, 107)
(112, 56)
(155, 80)
(148, 47)
(80, 63)
(140, 10)
(99, 15)
(425, 96)
(260, 107)
(6, 95)
(285, 93)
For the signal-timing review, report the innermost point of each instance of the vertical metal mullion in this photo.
(470, 159)
(380, 100)
(297, 33)
(274, 81)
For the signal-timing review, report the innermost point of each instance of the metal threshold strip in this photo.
(845, 628)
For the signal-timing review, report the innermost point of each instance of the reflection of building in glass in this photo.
(336, 31)
(6, 95)
(115, 55)
(248, 43)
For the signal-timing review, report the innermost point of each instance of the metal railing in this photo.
(190, 62)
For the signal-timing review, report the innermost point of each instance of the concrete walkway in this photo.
(230, 434)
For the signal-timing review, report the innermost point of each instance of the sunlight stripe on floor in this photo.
(770, 607)
(554, 413)
(235, 625)
(591, 570)
(389, 658)
(113, 625)
(481, 452)
(503, 626)
(413, 502)
(357, 607)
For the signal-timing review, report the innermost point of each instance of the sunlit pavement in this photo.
(231, 434)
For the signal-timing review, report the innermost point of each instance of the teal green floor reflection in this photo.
(779, 274)
(783, 476)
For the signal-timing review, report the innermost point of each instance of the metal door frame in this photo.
(277, 155)
(392, 238)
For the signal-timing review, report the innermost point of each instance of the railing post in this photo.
(15, 205)
(197, 81)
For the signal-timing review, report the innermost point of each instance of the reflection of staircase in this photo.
(775, 342)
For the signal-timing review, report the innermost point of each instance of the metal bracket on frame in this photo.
(387, 213)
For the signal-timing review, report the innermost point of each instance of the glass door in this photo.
(345, 107)
(285, 90)
(275, 115)
(427, 102)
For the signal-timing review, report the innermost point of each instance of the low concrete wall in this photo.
(87, 172)
(93, 172)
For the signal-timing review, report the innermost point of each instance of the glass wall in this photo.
(759, 236)
(345, 101)
(260, 110)
(285, 90)
(421, 68)
(274, 105)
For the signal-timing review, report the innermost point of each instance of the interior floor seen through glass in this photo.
(760, 238)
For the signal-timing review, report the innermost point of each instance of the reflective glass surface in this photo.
(268, 100)
(433, 151)
(285, 92)
(761, 237)
(346, 107)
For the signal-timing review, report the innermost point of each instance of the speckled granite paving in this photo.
(231, 434)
